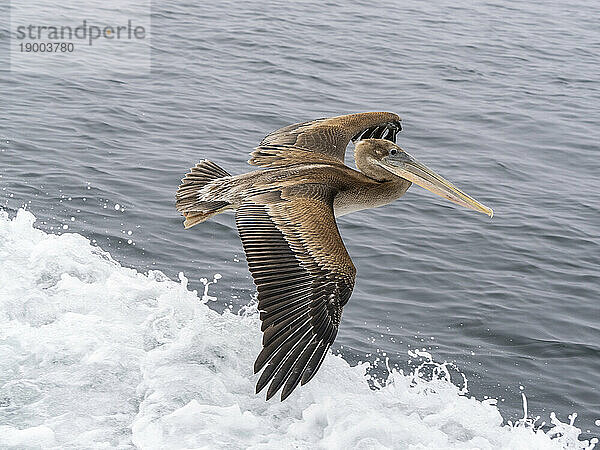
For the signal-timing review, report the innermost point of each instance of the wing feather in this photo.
(304, 277)
(298, 369)
(323, 139)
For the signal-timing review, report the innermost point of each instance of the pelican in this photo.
(285, 216)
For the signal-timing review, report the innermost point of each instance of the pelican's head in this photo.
(373, 155)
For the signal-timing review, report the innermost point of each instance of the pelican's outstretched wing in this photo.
(304, 276)
(328, 137)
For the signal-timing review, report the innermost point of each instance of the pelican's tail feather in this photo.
(193, 201)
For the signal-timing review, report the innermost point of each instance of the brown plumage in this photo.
(285, 215)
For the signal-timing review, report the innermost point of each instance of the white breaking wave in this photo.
(96, 355)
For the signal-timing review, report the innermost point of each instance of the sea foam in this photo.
(96, 355)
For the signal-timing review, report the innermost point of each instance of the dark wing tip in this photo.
(387, 131)
(263, 381)
(315, 363)
(299, 371)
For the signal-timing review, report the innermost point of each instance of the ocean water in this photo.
(96, 355)
(502, 99)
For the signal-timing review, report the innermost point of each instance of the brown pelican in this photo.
(285, 215)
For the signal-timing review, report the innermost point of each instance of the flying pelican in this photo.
(285, 215)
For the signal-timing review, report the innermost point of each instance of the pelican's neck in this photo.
(369, 195)
(387, 191)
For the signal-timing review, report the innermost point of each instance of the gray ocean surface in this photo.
(501, 98)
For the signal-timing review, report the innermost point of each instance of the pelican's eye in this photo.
(393, 151)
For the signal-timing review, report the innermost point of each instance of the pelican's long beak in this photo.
(404, 165)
